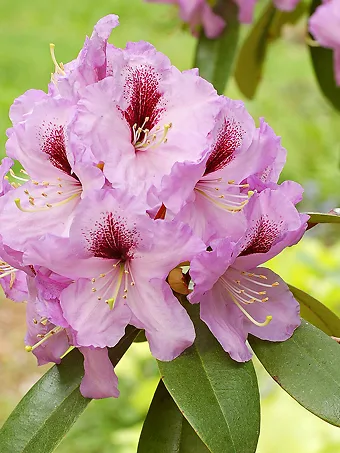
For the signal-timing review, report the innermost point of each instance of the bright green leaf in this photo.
(316, 313)
(165, 430)
(307, 366)
(249, 65)
(47, 412)
(319, 217)
(215, 57)
(218, 396)
(323, 64)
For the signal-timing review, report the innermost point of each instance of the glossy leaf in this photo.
(307, 367)
(319, 217)
(215, 57)
(323, 64)
(166, 430)
(249, 65)
(316, 313)
(218, 396)
(47, 412)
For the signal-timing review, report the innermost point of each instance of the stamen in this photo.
(11, 172)
(251, 274)
(8, 272)
(149, 139)
(45, 337)
(58, 68)
(231, 206)
(17, 201)
(251, 319)
(111, 301)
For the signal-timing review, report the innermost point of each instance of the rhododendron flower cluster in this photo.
(324, 25)
(200, 14)
(130, 169)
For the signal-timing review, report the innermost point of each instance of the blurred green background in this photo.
(289, 100)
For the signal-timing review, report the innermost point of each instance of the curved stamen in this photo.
(17, 201)
(111, 301)
(151, 139)
(59, 68)
(45, 337)
(11, 172)
(259, 324)
(219, 193)
(238, 297)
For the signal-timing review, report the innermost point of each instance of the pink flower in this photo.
(237, 297)
(120, 259)
(240, 159)
(198, 13)
(49, 341)
(286, 5)
(246, 10)
(324, 25)
(130, 169)
(90, 65)
(157, 115)
(57, 170)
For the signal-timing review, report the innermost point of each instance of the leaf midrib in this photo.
(213, 391)
(60, 406)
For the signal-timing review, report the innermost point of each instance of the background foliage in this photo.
(290, 101)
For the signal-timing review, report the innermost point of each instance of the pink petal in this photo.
(281, 305)
(100, 380)
(226, 323)
(167, 325)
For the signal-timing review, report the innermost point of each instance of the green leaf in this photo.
(267, 28)
(165, 430)
(319, 217)
(215, 57)
(323, 64)
(307, 367)
(316, 313)
(218, 396)
(47, 412)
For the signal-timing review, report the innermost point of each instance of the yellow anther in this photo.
(110, 302)
(275, 284)
(58, 68)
